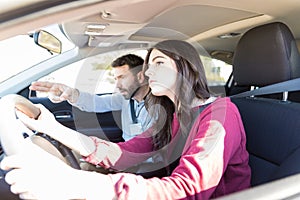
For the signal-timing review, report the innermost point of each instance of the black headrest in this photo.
(265, 55)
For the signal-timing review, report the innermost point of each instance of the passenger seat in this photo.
(266, 55)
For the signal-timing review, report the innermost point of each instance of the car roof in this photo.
(145, 21)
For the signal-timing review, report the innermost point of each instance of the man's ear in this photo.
(141, 77)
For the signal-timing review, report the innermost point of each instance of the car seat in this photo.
(266, 55)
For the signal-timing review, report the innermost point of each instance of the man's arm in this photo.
(95, 103)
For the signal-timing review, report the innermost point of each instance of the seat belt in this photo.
(286, 86)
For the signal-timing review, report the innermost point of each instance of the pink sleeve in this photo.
(207, 169)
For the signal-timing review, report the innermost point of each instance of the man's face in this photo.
(127, 82)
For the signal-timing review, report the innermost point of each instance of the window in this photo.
(20, 52)
(93, 74)
(217, 71)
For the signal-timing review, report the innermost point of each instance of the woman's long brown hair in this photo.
(191, 82)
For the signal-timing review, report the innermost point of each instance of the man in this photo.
(132, 86)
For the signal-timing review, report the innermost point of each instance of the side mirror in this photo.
(47, 41)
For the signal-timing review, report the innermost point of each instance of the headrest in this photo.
(265, 55)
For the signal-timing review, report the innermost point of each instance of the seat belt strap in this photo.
(286, 86)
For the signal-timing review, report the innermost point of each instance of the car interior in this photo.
(261, 40)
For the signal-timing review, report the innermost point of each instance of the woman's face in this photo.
(162, 73)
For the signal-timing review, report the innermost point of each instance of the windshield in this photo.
(20, 52)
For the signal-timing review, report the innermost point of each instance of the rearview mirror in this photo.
(47, 41)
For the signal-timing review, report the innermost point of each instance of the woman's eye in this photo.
(156, 64)
(159, 63)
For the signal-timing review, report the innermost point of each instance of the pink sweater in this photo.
(214, 161)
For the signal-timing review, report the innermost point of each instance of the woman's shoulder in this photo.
(220, 101)
(221, 104)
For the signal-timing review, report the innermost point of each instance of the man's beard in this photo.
(129, 92)
(125, 95)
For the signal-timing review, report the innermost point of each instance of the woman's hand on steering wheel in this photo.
(46, 122)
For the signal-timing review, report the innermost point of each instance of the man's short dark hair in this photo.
(130, 59)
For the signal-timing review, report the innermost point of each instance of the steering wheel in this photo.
(13, 132)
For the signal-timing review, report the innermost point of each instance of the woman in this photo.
(211, 146)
